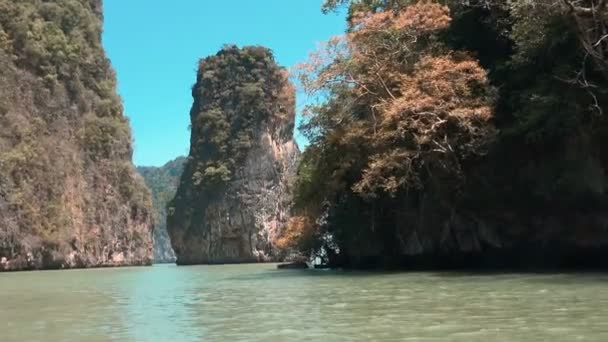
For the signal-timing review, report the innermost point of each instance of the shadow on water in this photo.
(465, 273)
(543, 277)
(307, 273)
(564, 277)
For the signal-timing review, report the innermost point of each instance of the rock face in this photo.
(69, 194)
(162, 182)
(503, 223)
(233, 201)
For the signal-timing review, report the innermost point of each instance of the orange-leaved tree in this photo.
(395, 107)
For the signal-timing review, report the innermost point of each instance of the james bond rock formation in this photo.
(233, 198)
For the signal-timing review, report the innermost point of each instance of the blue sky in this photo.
(155, 45)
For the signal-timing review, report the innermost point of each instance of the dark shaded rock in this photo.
(293, 266)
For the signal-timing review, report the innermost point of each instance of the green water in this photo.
(260, 303)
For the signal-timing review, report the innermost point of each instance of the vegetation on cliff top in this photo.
(467, 106)
(60, 42)
(236, 90)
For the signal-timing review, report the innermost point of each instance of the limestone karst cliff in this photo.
(232, 201)
(69, 193)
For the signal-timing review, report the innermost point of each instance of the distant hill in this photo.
(162, 182)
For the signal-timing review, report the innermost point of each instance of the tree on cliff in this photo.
(412, 108)
(449, 104)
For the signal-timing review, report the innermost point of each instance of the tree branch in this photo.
(585, 11)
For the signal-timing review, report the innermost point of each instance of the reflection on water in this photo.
(259, 303)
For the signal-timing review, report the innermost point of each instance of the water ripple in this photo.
(259, 303)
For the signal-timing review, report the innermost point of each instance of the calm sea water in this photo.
(260, 303)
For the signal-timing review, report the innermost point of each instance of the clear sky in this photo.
(155, 45)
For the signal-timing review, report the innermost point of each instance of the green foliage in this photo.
(549, 111)
(363, 5)
(163, 182)
(107, 137)
(130, 185)
(57, 40)
(236, 91)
